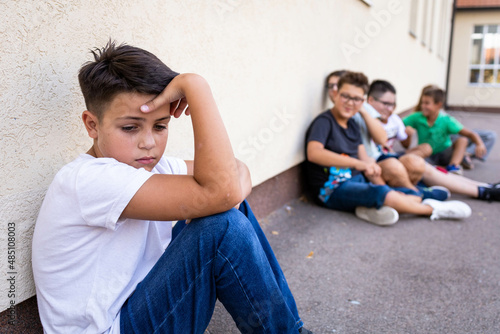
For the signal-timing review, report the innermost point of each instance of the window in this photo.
(484, 65)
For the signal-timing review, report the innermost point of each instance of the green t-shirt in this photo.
(438, 135)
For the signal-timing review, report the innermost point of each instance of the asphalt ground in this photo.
(348, 276)
(417, 276)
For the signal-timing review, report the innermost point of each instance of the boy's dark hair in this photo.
(437, 94)
(380, 87)
(338, 73)
(357, 79)
(120, 69)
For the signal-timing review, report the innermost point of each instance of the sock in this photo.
(481, 193)
(488, 194)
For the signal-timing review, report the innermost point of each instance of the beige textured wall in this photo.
(460, 92)
(266, 62)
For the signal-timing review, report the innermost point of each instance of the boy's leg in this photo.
(357, 192)
(414, 165)
(271, 258)
(422, 150)
(395, 174)
(455, 183)
(489, 137)
(364, 199)
(459, 147)
(217, 256)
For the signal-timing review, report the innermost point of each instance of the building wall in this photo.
(265, 60)
(460, 92)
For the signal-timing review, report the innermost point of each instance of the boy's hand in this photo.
(410, 131)
(370, 169)
(480, 150)
(172, 94)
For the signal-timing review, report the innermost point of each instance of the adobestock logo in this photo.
(226, 6)
(249, 148)
(363, 37)
(481, 93)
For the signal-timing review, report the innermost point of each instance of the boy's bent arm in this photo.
(375, 128)
(318, 154)
(476, 139)
(215, 184)
(409, 132)
(244, 175)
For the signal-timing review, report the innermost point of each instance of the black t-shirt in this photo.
(335, 138)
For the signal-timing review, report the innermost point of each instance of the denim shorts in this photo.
(357, 191)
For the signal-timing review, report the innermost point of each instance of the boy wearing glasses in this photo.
(342, 176)
(382, 97)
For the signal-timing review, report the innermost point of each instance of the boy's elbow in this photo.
(229, 198)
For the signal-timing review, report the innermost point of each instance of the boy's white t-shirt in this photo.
(86, 260)
(395, 129)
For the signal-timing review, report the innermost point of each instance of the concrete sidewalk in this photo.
(418, 276)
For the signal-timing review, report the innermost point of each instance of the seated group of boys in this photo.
(351, 164)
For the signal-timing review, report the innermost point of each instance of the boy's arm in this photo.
(374, 127)
(372, 169)
(318, 154)
(244, 175)
(214, 185)
(409, 132)
(476, 139)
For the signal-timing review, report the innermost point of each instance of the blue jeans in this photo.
(358, 191)
(226, 257)
(488, 137)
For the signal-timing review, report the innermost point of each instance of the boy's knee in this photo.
(218, 224)
(424, 150)
(392, 170)
(462, 141)
(233, 220)
(414, 165)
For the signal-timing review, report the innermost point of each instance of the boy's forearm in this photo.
(215, 166)
(324, 157)
(375, 128)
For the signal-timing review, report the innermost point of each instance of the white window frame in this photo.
(482, 66)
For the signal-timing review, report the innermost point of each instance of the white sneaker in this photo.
(448, 209)
(383, 216)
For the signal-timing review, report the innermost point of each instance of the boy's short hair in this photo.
(380, 87)
(357, 79)
(437, 94)
(338, 73)
(120, 69)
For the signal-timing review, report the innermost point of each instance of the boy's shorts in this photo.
(384, 156)
(442, 158)
(357, 191)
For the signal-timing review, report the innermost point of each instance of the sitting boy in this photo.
(339, 170)
(487, 136)
(105, 258)
(434, 129)
(382, 97)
